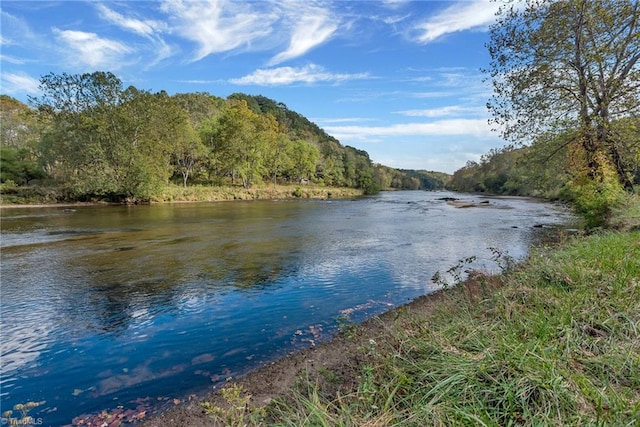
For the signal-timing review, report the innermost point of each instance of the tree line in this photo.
(566, 94)
(544, 168)
(91, 137)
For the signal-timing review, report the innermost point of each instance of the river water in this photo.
(106, 307)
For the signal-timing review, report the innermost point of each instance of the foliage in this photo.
(235, 411)
(104, 140)
(595, 197)
(406, 179)
(18, 166)
(568, 65)
(626, 215)
(89, 138)
(554, 166)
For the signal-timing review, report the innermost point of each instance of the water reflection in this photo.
(125, 302)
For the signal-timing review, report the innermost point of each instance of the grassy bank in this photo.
(266, 191)
(555, 341)
(11, 195)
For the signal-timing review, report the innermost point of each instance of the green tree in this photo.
(278, 156)
(199, 106)
(237, 143)
(103, 140)
(151, 132)
(19, 132)
(188, 153)
(304, 157)
(19, 127)
(18, 167)
(568, 65)
(79, 110)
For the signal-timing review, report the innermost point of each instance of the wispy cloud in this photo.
(200, 82)
(448, 111)
(473, 15)
(289, 75)
(15, 30)
(341, 120)
(12, 60)
(148, 28)
(312, 27)
(473, 127)
(19, 83)
(92, 50)
(431, 94)
(218, 26)
(394, 4)
(142, 27)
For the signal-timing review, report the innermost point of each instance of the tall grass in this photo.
(626, 216)
(175, 193)
(557, 343)
(554, 341)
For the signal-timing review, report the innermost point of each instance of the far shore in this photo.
(56, 205)
(177, 194)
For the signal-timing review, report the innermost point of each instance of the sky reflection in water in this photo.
(103, 305)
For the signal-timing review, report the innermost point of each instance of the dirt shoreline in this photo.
(341, 355)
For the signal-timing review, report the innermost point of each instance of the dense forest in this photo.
(87, 137)
(545, 168)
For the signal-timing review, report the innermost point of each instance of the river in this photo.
(113, 306)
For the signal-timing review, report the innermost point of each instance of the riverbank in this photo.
(179, 194)
(554, 341)
(257, 192)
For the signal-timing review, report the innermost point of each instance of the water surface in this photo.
(104, 306)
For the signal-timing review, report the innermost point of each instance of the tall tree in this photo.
(79, 110)
(570, 64)
(237, 142)
(105, 140)
(18, 142)
(278, 155)
(305, 157)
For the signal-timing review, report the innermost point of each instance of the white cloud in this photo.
(311, 29)
(431, 94)
(90, 49)
(392, 20)
(19, 83)
(145, 28)
(341, 120)
(450, 110)
(15, 30)
(474, 15)
(148, 28)
(394, 4)
(288, 75)
(477, 128)
(200, 82)
(12, 60)
(218, 25)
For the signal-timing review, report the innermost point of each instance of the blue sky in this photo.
(399, 79)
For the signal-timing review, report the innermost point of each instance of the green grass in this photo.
(626, 216)
(555, 341)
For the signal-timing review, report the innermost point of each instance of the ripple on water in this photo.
(164, 299)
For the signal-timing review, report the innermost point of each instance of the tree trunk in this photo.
(623, 177)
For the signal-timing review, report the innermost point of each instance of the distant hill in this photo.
(124, 143)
